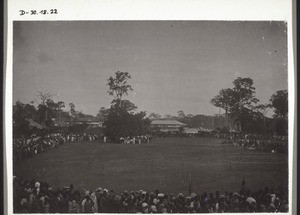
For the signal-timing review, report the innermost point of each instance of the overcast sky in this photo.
(174, 65)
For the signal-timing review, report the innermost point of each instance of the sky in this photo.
(175, 65)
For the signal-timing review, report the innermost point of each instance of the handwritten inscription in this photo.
(37, 12)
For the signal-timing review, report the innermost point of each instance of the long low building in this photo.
(166, 125)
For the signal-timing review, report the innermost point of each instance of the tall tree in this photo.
(118, 85)
(238, 102)
(224, 100)
(121, 120)
(243, 101)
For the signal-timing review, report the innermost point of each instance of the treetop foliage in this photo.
(118, 86)
(241, 104)
(279, 101)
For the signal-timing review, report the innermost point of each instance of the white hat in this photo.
(160, 195)
(144, 205)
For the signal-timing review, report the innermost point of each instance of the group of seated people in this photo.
(31, 196)
(269, 143)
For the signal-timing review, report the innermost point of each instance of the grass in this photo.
(165, 164)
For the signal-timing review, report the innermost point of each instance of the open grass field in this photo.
(165, 164)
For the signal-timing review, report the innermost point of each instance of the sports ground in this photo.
(170, 165)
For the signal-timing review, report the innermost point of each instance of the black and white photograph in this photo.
(150, 116)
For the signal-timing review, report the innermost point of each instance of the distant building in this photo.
(166, 125)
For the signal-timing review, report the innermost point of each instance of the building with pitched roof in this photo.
(166, 125)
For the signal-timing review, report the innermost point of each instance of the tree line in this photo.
(242, 106)
(42, 111)
(122, 119)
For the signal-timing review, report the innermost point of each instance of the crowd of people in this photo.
(135, 139)
(28, 147)
(31, 196)
(83, 137)
(268, 143)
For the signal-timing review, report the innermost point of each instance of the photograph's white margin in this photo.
(273, 10)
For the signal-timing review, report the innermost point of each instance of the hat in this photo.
(153, 208)
(144, 192)
(161, 195)
(105, 190)
(144, 205)
(37, 184)
(180, 194)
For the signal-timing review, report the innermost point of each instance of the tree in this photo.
(72, 109)
(181, 114)
(190, 116)
(154, 116)
(118, 86)
(168, 116)
(224, 100)
(262, 110)
(43, 96)
(22, 113)
(238, 102)
(121, 119)
(243, 101)
(123, 106)
(102, 114)
(279, 102)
